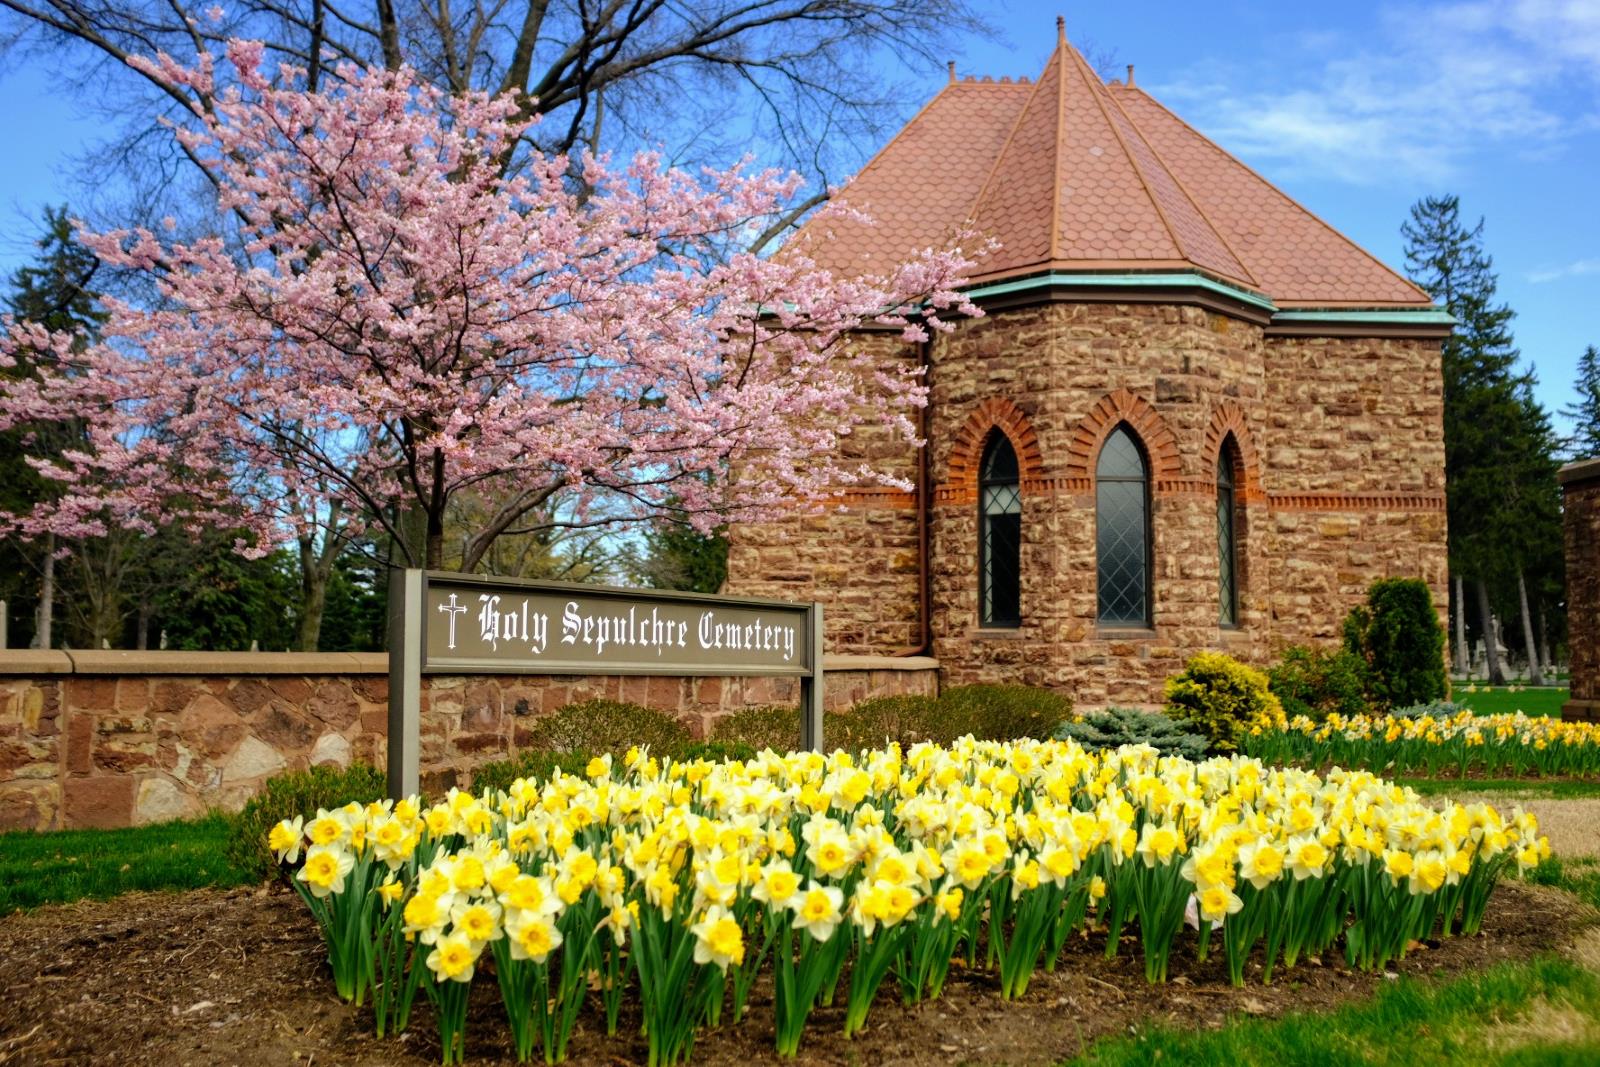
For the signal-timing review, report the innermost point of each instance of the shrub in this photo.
(285, 796)
(872, 723)
(529, 763)
(773, 726)
(1434, 709)
(1317, 682)
(1002, 712)
(1223, 699)
(1397, 634)
(1114, 727)
(719, 751)
(598, 726)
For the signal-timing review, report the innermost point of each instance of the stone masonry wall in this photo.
(859, 556)
(103, 739)
(1581, 519)
(1339, 481)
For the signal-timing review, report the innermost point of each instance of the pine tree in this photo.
(1585, 413)
(1482, 411)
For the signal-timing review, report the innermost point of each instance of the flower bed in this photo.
(1515, 744)
(676, 885)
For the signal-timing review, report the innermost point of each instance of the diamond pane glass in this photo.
(999, 536)
(1227, 571)
(1122, 522)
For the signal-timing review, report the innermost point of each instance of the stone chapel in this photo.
(1194, 415)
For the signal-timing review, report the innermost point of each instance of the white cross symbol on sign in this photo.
(454, 609)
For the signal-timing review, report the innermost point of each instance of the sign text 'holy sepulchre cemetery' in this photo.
(465, 624)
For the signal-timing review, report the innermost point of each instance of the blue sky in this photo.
(1355, 109)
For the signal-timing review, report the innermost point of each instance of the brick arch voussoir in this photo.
(1110, 411)
(1229, 419)
(966, 450)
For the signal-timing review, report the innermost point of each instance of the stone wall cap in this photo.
(845, 662)
(88, 661)
(21, 661)
(1582, 470)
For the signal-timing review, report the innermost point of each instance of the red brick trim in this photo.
(1367, 502)
(966, 451)
(899, 499)
(1118, 407)
(1229, 419)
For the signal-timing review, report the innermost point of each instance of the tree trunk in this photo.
(141, 637)
(1459, 620)
(47, 595)
(316, 570)
(1490, 638)
(1535, 675)
(1544, 646)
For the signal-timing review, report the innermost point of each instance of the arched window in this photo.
(1227, 537)
(999, 535)
(1122, 530)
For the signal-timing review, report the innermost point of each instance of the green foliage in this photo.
(223, 602)
(1115, 727)
(355, 613)
(1585, 412)
(1223, 699)
(1433, 709)
(677, 556)
(1318, 682)
(599, 726)
(529, 763)
(874, 722)
(296, 793)
(1003, 712)
(1397, 634)
(773, 726)
(68, 865)
(717, 752)
(1497, 1015)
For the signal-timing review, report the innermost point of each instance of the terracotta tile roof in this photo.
(1071, 174)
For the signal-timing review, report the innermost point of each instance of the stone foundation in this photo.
(106, 739)
(1580, 485)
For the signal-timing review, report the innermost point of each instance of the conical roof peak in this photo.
(1070, 174)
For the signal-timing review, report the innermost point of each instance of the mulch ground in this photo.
(237, 977)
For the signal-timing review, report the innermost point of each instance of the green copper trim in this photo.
(1417, 316)
(1420, 316)
(1123, 281)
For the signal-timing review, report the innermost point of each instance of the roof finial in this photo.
(1130, 75)
(952, 68)
(1061, 30)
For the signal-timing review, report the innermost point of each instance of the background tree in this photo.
(1496, 453)
(806, 79)
(674, 555)
(1585, 410)
(399, 322)
(56, 293)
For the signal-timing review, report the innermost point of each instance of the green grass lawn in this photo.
(1487, 701)
(1553, 788)
(54, 868)
(1541, 1012)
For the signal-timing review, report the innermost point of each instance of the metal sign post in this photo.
(443, 623)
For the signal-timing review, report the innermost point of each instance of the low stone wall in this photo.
(1580, 484)
(102, 739)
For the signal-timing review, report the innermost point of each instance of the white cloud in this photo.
(1416, 96)
(1570, 270)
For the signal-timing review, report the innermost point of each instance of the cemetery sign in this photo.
(443, 623)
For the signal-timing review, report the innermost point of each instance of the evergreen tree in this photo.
(54, 291)
(676, 556)
(1486, 427)
(1585, 413)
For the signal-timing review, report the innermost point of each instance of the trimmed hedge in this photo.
(1317, 683)
(1223, 699)
(1115, 727)
(1398, 635)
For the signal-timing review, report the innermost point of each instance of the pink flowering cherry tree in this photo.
(395, 318)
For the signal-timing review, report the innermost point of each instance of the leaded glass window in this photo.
(1122, 530)
(999, 535)
(1227, 542)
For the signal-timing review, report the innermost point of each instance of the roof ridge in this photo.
(1005, 146)
(1172, 175)
(1092, 83)
(1058, 143)
(1312, 215)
